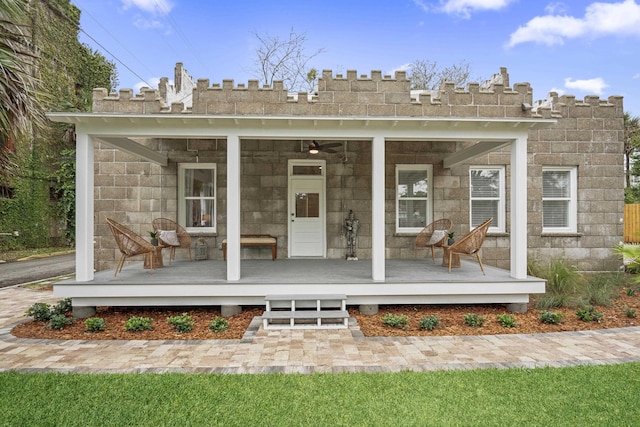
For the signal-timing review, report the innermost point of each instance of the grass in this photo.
(584, 395)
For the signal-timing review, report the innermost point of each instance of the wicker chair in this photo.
(183, 238)
(130, 244)
(470, 244)
(427, 239)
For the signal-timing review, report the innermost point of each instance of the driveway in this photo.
(14, 273)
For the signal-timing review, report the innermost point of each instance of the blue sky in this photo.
(578, 47)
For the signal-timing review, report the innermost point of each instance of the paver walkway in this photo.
(303, 351)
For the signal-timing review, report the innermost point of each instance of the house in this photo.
(226, 160)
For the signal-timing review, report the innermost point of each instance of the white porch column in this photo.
(377, 209)
(84, 208)
(233, 208)
(519, 235)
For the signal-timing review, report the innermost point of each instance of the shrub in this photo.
(63, 306)
(95, 324)
(601, 288)
(59, 321)
(631, 292)
(630, 312)
(506, 320)
(588, 313)
(551, 317)
(429, 322)
(182, 323)
(563, 283)
(396, 320)
(137, 324)
(473, 320)
(40, 311)
(219, 324)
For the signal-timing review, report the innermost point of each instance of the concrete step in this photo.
(309, 311)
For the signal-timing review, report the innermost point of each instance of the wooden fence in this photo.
(632, 223)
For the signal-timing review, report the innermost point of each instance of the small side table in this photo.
(455, 259)
(157, 258)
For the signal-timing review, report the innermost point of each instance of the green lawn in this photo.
(589, 395)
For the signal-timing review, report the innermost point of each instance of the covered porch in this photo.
(204, 282)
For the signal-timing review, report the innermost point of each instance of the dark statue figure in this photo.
(350, 230)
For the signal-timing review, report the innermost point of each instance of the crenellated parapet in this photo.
(568, 106)
(374, 95)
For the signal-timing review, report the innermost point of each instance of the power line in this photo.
(115, 57)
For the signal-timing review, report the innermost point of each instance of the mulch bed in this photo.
(451, 322)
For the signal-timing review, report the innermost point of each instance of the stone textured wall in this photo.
(588, 134)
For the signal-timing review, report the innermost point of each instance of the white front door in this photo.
(307, 229)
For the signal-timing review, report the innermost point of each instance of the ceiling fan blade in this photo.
(328, 150)
(332, 144)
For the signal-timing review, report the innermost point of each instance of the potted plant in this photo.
(450, 241)
(154, 237)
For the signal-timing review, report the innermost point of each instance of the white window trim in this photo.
(572, 199)
(429, 199)
(498, 225)
(182, 167)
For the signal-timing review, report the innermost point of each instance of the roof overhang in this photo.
(116, 129)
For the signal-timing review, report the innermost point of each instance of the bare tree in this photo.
(285, 59)
(428, 76)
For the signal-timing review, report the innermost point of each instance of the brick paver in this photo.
(304, 351)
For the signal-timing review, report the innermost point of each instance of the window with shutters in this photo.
(559, 204)
(487, 196)
(413, 197)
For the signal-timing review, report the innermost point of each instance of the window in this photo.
(559, 206)
(413, 197)
(487, 196)
(197, 196)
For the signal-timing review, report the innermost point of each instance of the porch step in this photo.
(306, 311)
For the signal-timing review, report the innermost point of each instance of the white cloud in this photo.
(600, 19)
(595, 86)
(153, 81)
(463, 8)
(556, 8)
(636, 76)
(156, 7)
(560, 92)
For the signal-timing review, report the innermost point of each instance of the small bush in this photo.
(182, 323)
(429, 323)
(95, 324)
(589, 313)
(396, 320)
(601, 288)
(138, 324)
(563, 283)
(506, 320)
(219, 324)
(40, 311)
(473, 320)
(551, 317)
(631, 292)
(62, 307)
(630, 312)
(59, 321)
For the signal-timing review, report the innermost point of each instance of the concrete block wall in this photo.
(588, 134)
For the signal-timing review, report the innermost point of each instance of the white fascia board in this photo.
(293, 127)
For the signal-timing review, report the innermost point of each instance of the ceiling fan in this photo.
(315, 147)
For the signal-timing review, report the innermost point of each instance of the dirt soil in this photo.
(451, 322)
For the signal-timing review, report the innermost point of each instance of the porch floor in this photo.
(204, 283)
